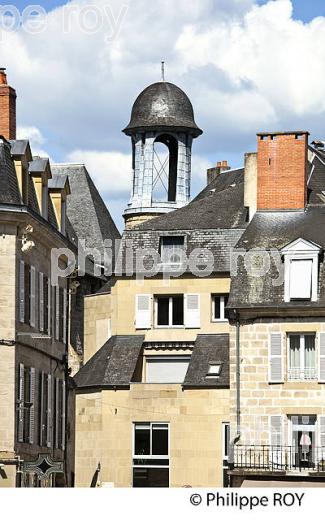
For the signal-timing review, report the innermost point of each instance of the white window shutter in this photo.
(321, 430)
(300, 278)
(321, 358)
(63, 415)
(192, 310)
(64, 316)
(21, 402)
(275, 430)
(21, 291)
(41, 301)
(57, 312)
(49, 307)
(143, 311)
(32, 318)
(275, 358)
(32, 406)
(49, 412)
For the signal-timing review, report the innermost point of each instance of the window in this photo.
(166, 369)
(301, 270)
(219, 304)
(172, 250)
(151, 455)
(302, 357)
(214, 370)
(170, 311)
(45, 416)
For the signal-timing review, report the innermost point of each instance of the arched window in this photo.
(165, 169)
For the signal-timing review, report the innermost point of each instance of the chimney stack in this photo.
(282, 170)
(7, 108)
(212, 173)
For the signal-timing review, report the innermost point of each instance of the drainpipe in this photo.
(236, 438)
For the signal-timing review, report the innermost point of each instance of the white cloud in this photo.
(35, 137)
(110, 171)
(245, 67)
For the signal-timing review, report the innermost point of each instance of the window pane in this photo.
(178, 310)
(142, 440)
(300, 279)
(217, 314)
(171, 249)
(310, 359)
(163, 311)
(150, 477)
(294, 351)
(159, 440)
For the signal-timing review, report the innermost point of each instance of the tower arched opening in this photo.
(165, 168)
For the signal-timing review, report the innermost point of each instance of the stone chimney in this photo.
(282, 170)
(7, 108)
(212, 173)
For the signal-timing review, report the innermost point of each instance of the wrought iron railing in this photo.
(280, 458)
(305, 374)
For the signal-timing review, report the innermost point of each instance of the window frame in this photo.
(302, 367)
(171, 264)
(177, 357)
(150, 457)
(222, 297)
(170, 311)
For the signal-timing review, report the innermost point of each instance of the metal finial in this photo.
(162, 71)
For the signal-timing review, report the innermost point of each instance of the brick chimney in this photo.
(212, 173)
(282, 170)
(7, 108)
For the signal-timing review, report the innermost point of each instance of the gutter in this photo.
(236, 438)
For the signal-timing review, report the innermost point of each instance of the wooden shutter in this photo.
(64, 316)
(49, 412)
(32, 317)
(21, 402)
(143, 311)
(32, 406)
(57, 411)
(41, 301)
(275, 358)
(21, 278)
(45, 305)
(321, 430)
(42, 424)
(63, 408)
(27, 294)
(57, 312)
(49, 308)
(192, 311)
(321, 358)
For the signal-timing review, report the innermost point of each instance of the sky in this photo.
(247, 66)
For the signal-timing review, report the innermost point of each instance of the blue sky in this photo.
(247, 66)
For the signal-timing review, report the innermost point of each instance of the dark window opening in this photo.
(165, 169)
(170, 311)
(171, 249)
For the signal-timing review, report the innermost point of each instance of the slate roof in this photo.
(214, 220)
(86, 210)
(58, 182)
(9, 190)
(113, 365)
(38, 165)
(208, 349)
(19, 147)
(162, 105)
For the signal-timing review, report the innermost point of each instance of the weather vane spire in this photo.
(162, 70)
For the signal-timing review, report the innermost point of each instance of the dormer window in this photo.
(301, 271)
(172, 250)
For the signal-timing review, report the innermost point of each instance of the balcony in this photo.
(275, 459)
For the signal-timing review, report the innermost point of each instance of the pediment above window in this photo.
(301, 246)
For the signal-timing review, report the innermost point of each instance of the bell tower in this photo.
(162, 128)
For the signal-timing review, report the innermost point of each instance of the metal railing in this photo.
(305, 374)
(280, 458)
